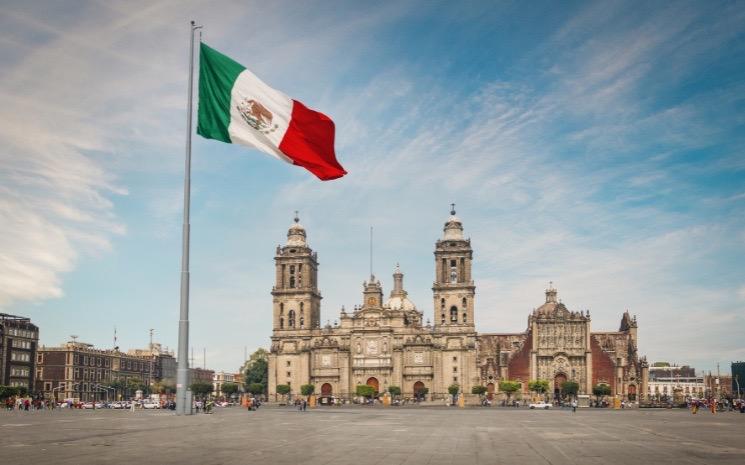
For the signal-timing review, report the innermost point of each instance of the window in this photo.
(289, 374)
(48, 386)
(289, 363)
(39, 358)
(20, 357)
(455, 379)
(85, 360)
(19, 371)
(281, 309)
(455, 359)
(281, 323)
(21, 344)
(453, 272)
(453, 314)
(443, 319)
(291, 319)
(300, 276)
(465, 318)
(292, 276)
(455, 369)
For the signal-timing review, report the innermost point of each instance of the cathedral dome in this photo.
(400, 303)
(399, 299)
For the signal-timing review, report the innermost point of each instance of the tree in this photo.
(8, 391)
(201, 388)
(509, 387)
(480, 390)
(453, 389)
(600, 390)
(228, 389)
(282, 389)
(365, 390)
(394, 390)
(570, 388)
(539, 386)
(256, 369)
(307, 389)
(258, 388)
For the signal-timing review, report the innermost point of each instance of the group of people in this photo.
(712, 404)
(28, 404)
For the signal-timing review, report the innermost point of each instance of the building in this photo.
(19, 339)
(221, 378)
(163, 363)
(80, 371)
(738, 378)
(201, 375)
(666, 379)
(386, 342)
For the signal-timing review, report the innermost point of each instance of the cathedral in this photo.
(386, 342)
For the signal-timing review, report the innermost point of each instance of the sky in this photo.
(597, 145)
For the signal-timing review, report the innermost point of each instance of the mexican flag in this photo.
(237, 107)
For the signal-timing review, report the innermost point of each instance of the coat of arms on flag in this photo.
(256, 115)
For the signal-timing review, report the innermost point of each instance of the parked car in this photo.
(542, 405)
(88, 405)
(150, 405)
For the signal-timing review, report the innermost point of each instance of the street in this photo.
(371, 435)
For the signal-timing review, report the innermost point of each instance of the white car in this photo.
(88, 405)
(150, 405)
(542, 405)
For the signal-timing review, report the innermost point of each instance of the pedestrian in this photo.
(574, 406)
(305, 405)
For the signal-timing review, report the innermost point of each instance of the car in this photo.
(150, 405)
(542, 405)
(88, 405)
(100, 405)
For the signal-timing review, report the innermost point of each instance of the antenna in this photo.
(114, 336)
(74, 338)
(371, 252)
(151, 339)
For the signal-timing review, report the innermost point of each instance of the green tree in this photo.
(394, 390)
(228, 389)
(201, 388)
(600, 390)
(258, 388)
(539, 386)
(256, 369)
(8, 391)
(282, 389)
(453, 389)
(307, 389)
(480, 390)
(509, 387)
(119, 386)
(365, 390)
(570, 388)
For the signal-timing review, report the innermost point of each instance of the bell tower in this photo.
(453, 289)
(296, 299)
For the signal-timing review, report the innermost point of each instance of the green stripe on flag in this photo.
(217, 74)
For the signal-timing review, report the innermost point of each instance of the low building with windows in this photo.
(76, 370)
(665, 379)
(19, 339)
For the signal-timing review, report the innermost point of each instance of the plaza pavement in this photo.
(373, 435)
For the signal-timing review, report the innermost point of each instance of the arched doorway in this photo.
(418, 390)
(374, 383)
(326, 389)
(490, 391)
(559, 379)
(632, 392)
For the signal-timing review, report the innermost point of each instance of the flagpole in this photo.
(183, 393)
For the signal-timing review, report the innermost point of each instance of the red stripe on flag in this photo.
(309, 142)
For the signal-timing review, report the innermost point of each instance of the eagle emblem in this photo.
(257, 116)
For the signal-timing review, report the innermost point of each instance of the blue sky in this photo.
(598, 145)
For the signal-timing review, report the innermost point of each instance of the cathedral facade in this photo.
(386, 342)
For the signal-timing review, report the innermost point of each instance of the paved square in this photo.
(373, 435)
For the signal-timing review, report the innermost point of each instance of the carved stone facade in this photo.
(386, 342)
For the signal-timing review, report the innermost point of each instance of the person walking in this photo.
(574, 406)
